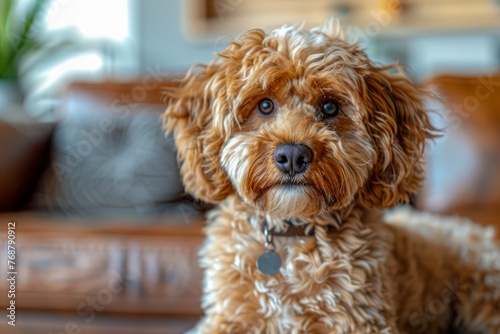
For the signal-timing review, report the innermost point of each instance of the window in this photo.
(81, 40)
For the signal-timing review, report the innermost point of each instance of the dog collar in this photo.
(269, 262)
(292, 230)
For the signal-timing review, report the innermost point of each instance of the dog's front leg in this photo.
(215, 324)
(218, 324)
(232, 298)
(231, 303)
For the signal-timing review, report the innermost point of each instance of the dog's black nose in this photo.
(293, 158)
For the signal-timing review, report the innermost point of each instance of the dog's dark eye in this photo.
(266, 107)
(330, 108)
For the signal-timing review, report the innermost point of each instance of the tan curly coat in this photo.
(403, 273)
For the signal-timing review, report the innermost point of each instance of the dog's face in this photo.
(296, 123)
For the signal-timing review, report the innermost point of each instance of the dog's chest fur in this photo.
(349, 281)
(336, 280)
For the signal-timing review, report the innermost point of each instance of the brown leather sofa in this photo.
(97, 251)
(463, 167)
(107, 257)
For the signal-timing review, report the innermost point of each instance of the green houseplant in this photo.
(16, 41)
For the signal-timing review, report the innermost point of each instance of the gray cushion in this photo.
(104, 161)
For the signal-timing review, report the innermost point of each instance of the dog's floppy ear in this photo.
(202, 114)
(190, 115)
(399, 127)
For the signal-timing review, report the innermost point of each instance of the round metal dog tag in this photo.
(269, 263)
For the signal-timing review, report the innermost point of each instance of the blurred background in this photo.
(63, 41)
(107, 239)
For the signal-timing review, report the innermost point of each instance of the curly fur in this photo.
(375, 274)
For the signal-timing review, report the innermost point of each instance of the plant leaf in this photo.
(26, 29)
(5, 29)
(18, 43)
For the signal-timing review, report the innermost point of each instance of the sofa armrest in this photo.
(463, 167)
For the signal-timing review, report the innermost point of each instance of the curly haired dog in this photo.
(301, 140)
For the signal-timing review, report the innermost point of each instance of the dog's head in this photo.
(298, 122)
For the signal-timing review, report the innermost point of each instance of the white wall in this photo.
(462, 54)
(163, 42)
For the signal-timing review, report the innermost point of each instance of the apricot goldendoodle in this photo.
(301, 140)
